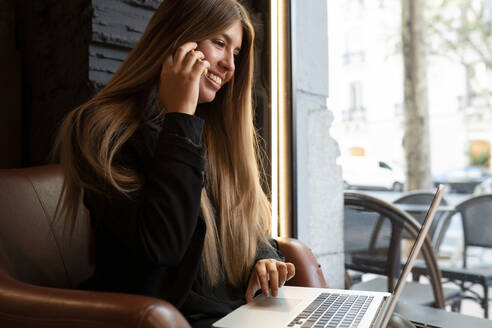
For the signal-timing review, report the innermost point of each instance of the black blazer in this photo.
(152, 244)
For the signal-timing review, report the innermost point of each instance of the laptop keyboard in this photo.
(330, 310)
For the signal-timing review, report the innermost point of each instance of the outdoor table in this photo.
(465, 278)
(423, 208)
(433, 317)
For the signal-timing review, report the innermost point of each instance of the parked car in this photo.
(485, 187)
(368, 173)
(462, 180)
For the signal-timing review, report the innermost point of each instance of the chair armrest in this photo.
(308, 270)
(24, 305)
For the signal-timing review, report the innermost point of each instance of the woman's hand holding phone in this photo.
(179, 80)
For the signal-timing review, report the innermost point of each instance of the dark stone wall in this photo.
(10, 109)
(116, 27)
(70, 49)
(53, 37)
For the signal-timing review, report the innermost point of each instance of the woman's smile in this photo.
(214, 80)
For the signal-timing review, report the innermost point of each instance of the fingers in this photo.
(291, 270)
(183, 51)
(253, 286)
(282, 273)
(257, 280)
(188, 59)
(262, 273)
(273, 275)
(179, 79)
(195, 62)
(201, 67)
(285, 272)
(268, 274)
(192, 57)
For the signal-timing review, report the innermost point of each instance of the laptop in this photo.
(326, 307)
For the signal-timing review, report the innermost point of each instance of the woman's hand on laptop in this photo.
(268, 274)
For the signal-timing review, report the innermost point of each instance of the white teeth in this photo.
(215, 78)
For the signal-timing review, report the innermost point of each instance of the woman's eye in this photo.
(220, 43)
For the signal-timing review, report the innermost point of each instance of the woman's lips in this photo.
(214, 80)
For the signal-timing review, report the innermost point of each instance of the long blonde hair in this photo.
(236, 209)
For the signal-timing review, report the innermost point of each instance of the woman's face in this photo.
(220, 51)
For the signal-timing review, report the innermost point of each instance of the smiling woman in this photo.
(213, 57)
(186, 225)
(220, 53)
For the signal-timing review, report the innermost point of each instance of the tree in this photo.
(462, 30)
(416, 140)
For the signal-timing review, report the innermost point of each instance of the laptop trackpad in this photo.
(274, 304)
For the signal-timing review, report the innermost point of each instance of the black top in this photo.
(152, 244)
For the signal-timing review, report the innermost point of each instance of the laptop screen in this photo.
(413, 255)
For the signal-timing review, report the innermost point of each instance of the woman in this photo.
(169, 221)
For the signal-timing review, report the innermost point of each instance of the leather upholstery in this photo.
(40, 265)
(308, 270)
(36, 250)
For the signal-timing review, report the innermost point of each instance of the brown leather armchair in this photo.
(40, 267)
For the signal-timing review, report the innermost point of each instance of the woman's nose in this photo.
(227, 62)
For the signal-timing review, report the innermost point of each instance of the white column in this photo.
(319, 198)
